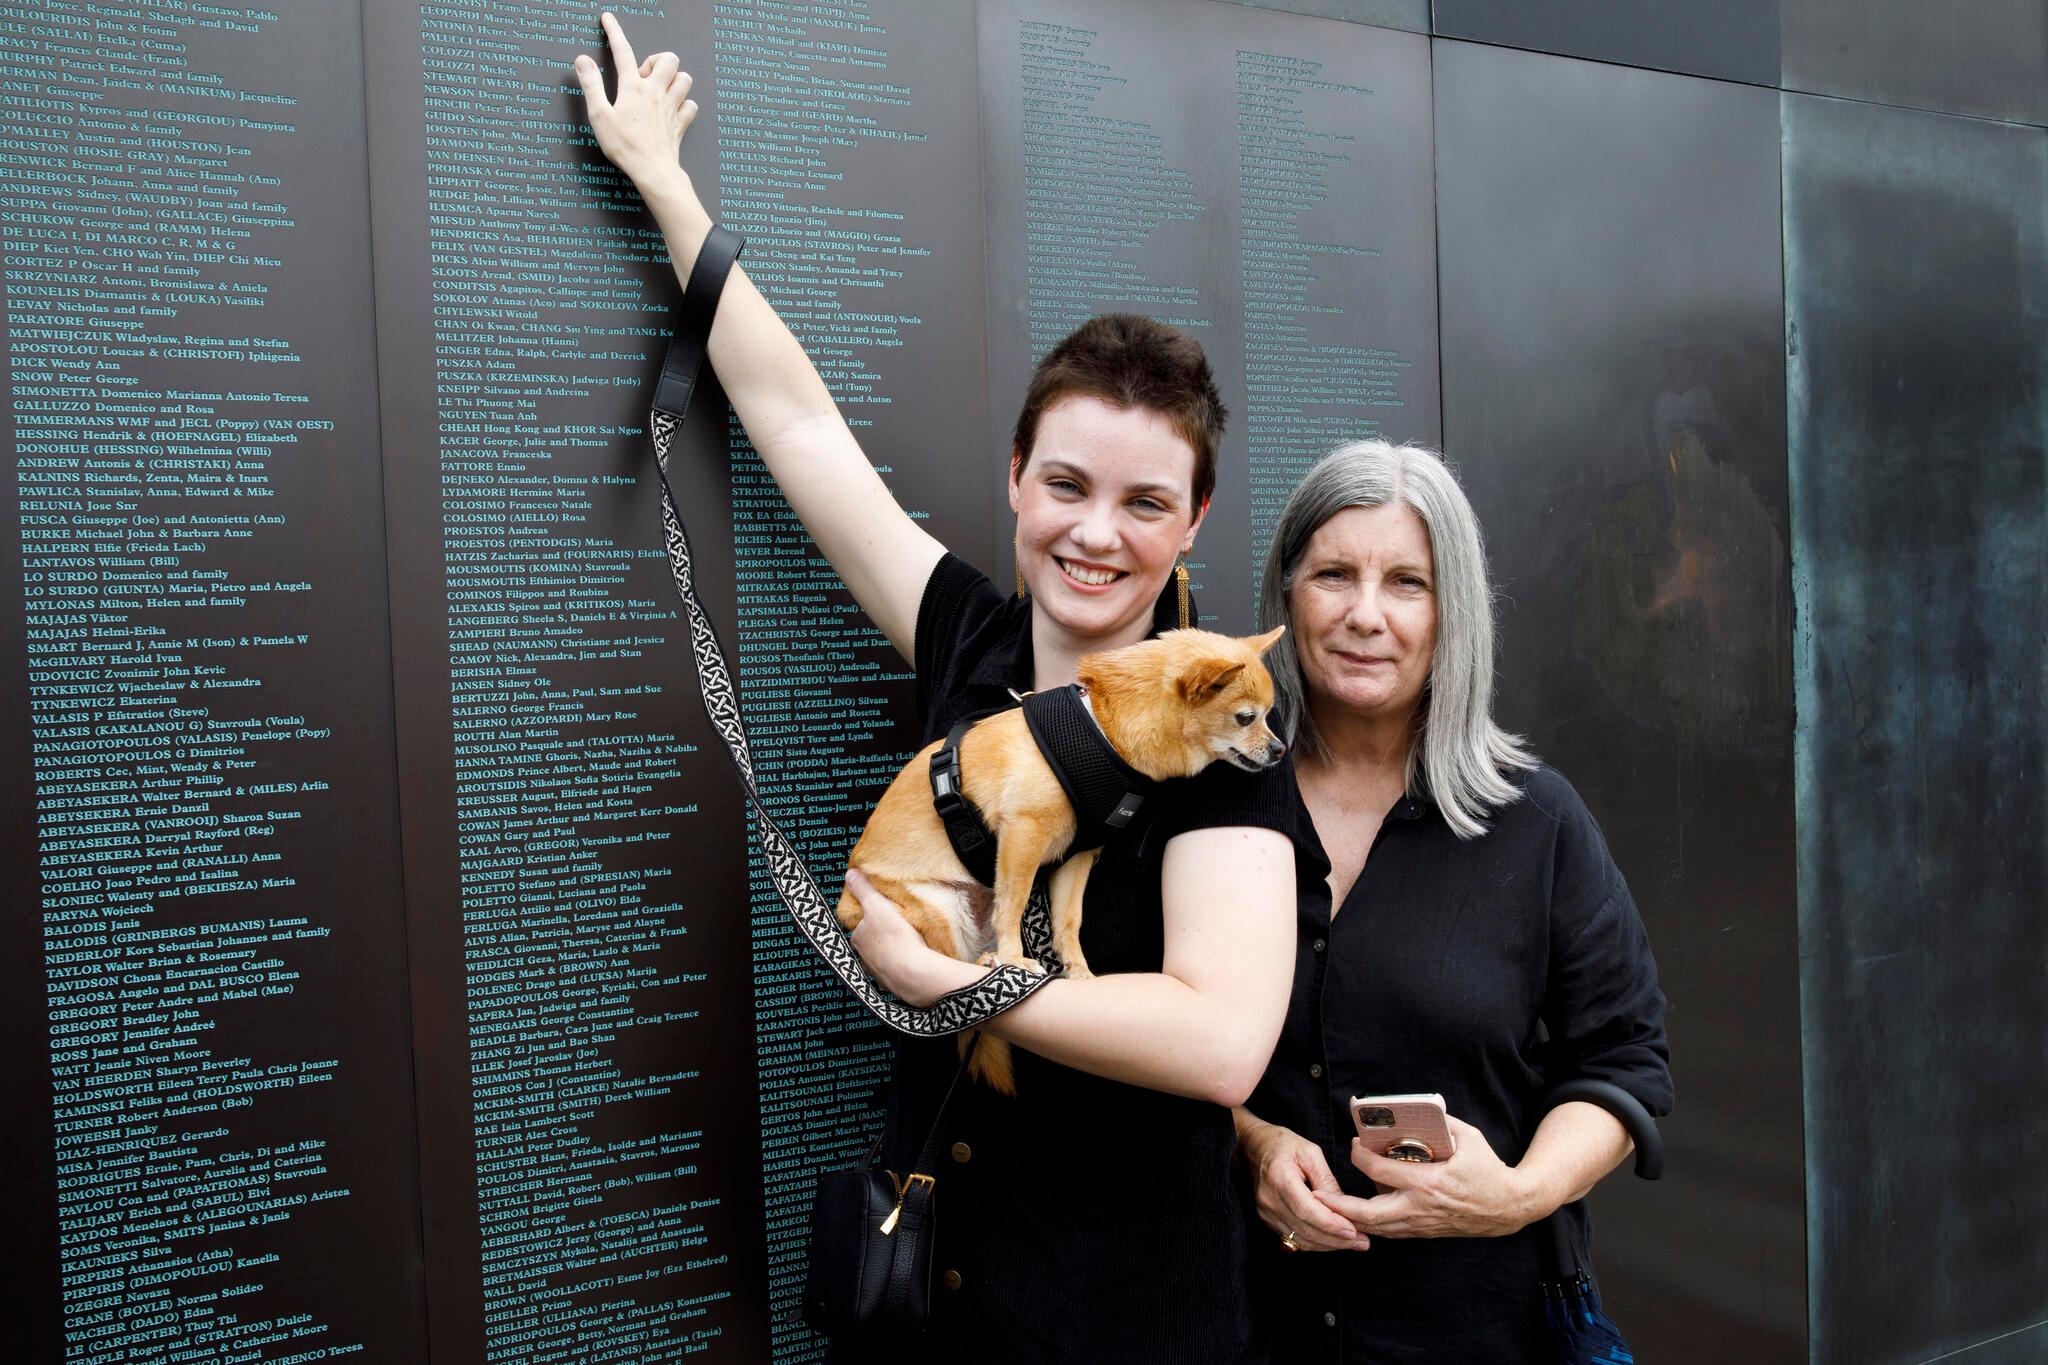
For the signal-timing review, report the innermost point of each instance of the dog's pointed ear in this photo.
(1208, 676)
(1259, 644)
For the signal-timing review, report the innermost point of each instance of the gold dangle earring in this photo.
(1180, 587)
(1017, 559)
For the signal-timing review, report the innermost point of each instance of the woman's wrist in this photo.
(671, 197)
(1253, 1134)
(1575, 1145)
(1535, 1196)
(942, 975)
(920, 975)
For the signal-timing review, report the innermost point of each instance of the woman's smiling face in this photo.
(1103, 506)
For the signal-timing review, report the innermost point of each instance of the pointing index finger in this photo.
(622, 51)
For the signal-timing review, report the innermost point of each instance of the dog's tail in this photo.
(991, 1064)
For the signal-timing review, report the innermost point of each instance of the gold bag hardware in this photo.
(903, 1184)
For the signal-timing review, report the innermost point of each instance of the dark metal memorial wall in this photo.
(1614, 400)
(1916, 281)
(386, 973)
(208, 1086)
(577, 946)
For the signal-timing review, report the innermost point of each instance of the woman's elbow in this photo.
(1240, 1065)
(1231, 1088)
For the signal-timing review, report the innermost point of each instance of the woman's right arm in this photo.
(1202, 1026)
(884, 556)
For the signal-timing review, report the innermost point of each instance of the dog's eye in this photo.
(1247, 717)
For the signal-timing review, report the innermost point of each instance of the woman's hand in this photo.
(1474, 1194)
(1292, 1174)
(642, 126)
(897, 956)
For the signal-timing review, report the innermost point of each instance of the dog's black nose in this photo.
(1274, 748)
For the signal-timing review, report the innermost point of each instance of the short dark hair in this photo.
(1131, 361)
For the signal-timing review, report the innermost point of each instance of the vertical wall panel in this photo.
(574, 865)
(1916, 252)
(849, 149)
(635, 1067)
(1614, 399)
(206, 1096)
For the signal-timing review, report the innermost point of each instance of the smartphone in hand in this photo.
(1404, 1127)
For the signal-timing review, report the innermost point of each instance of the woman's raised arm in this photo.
(884, 556)
(1203, 1026)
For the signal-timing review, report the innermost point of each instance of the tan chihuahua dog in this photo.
(1169, 706)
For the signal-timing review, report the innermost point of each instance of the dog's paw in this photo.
(985, 960)
(1029, 964)
(849, 917)
(1077, 970)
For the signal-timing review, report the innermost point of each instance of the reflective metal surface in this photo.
(1412, 15)
(1983, 57)
(1614, 400)
(1916, 267)
(1732, 39)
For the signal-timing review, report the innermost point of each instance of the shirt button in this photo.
(1315, 1071)
(1318, 945)
(961, 1152)
(1329, 1319)
(951, 1279)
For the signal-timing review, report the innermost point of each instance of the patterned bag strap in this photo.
(963, 1009)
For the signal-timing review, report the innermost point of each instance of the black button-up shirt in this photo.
(1488, 970)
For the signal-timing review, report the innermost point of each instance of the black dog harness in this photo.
(1105, 791)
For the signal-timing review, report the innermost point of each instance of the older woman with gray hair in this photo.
(1469, 935)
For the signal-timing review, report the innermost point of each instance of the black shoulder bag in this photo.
(871, 1242)
(871, 1229)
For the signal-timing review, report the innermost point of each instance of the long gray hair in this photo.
(1465, 759)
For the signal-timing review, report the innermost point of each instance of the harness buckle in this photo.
(946, 796)
(948, 799)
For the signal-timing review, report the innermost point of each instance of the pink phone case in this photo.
(1404, 1127)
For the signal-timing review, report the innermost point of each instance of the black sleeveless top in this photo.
(1083, 1220)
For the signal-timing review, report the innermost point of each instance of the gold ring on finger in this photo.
(1287, 1241)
